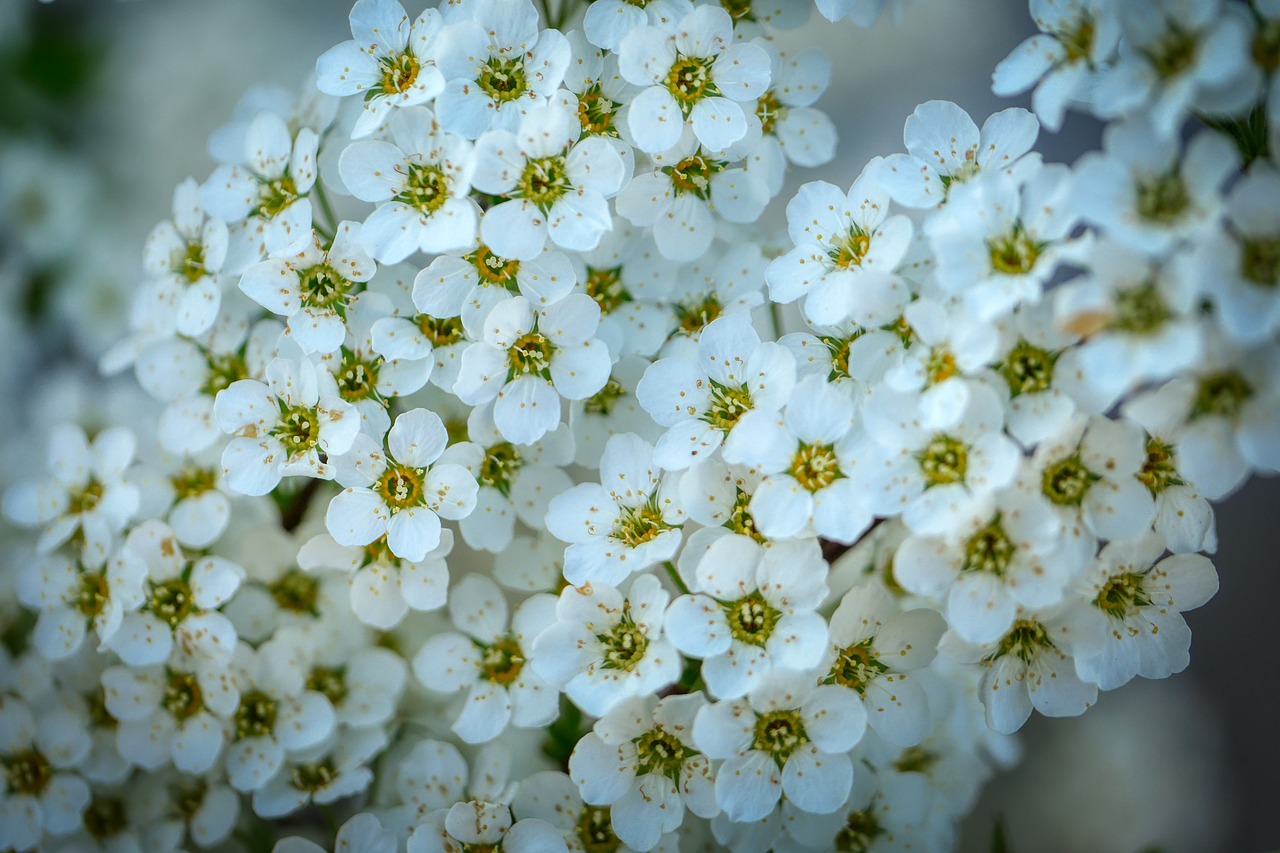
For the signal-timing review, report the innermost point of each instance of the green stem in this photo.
(775, 317)
(330, 818)
(674, 574)
(293, 507)
(327, 209)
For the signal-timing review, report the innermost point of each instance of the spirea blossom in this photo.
(505, 476)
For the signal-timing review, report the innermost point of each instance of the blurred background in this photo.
(105, 106)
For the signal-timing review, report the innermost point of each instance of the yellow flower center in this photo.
(779, 733)
(400, 487)
(398, 72)
(689, 81)
(815, 466)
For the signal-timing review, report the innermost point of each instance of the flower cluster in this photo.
(495, 279)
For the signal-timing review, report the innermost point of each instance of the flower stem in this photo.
(331, 220)
(674, 574)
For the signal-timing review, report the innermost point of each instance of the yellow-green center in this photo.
(1067, 481)
(256, 715)
(503, 79)
(944, 460)
(401, 487)
(815, 466)
(779, 733)
(989, 550)
(751, 619)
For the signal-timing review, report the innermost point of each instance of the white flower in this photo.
(407, 336)
(684, 186)
(1143, 193)
(793, 131)
(366, 379)
(70, 598)
(694, 72)
(847, 249)
(1139, 323)
(606, 647)
(640, 760)
(330, 771)
(204, 810)
(470, 286)
(276, 713)
(497, 63)
(607, 22)
(175, 712)
(362, 682)
(806, 458)
(1086, 474)
(282, 428)
(628, 280)
(1229, 407)
(555, 185)
(306, 108)
(475, 825)
(420, 182)
(551, 796)
(182, 595)
(313, 288)
(529, 360)
(433, 775)
(384, 588)
(272, 186)
(629, 521)
(787, 737)
(724, 280)
(489, 660)
(388, 62)
(940, 343)
(1138, 607)
(1011, 551)
(515, 482)
(1239, 264)
(754, 612)
(42, 794)
(400, 492)
(1029, 667)
(848, 355)
(702, 402)
(188, 374)
(886, 811)
(1028, 359)
(1175, 56)
(1184, 518)
(934, 469)
(998, 242)
(595, 91)
(611, 411)
(276, 594)
(186, 255)
(188, 492)
(944, 146)
(872, 645)
(85, 492)
(1077, 38)
(718, 496)
(361, 834)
